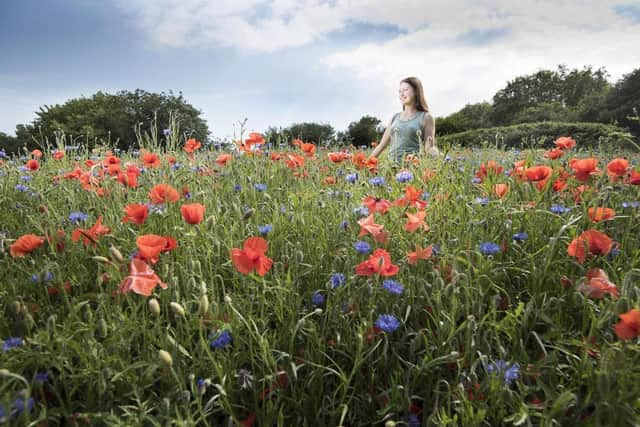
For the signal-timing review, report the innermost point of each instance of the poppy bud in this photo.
(51, 323)
(116, 254)
(317, 311)
(227, 299)
(154, 306)
(177, 308)
(103, 328)
(165, 358)
(203, 307)
(248, 213)
(390, 424)
(101, 259)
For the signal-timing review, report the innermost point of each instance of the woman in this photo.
(410, 129)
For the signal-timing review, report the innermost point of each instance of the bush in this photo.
(541, 135)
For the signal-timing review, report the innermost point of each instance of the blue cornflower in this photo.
(222, 340)
(201, 385)
(377, 180)
(344, 224)
(393, 287)
(559, 209)
(436, 250)
(404, 176)
(337, 280)
(413, 420)
(26, 178)
(362, 247)
(23, 168)
(489, 248)
(265, 229)
(361, 211)
(42, 377)
(351, 178)
(426, 195)
(614, 253)
(511, 373)
(317, 299)
(476, 180)
(11, 342)
(3, 154)
(237, 187)
(22, 187)
(77, 217)
(482, 201)
(630, 204)
(166, 132)
(175, 166)
(447, 158)
(387, 323)
(520, 237)
(19, 405)
(260, 187)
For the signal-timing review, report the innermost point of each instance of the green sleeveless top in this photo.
(406, 136)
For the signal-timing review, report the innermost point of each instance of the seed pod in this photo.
(177, 308)
(116, 254)
(103, 328)
(154, 307)
(51, 324)
(165, 358)
(203, 307)
(101, 259)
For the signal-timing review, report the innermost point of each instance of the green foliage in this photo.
(317, 133)
(9, 144)
(471, 116)
(563, 87)
(112, 118)
(622, 104)
(364, 131)
(541, 135)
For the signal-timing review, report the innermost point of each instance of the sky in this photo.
(281, 62)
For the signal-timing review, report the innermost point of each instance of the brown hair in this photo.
(421, 102)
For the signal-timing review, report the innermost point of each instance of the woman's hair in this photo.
(421, 102)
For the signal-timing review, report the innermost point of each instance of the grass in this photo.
(91, 355)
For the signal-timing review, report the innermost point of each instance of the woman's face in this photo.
(406, 94)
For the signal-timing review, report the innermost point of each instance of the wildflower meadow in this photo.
(184, 284)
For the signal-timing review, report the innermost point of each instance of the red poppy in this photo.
(308, 148)
(192, 213)
(565, 143)
(378, 263)
(90, 235)
(420, 253)
(36, 153)
(32, 164)
(490, 168)
(330, 180)
(368, 226)
(252, 256)
(129, 177)
(110, 160)
(538, 173)
(411, 198)
(338, 157)
(634, 178)
(584, 168)
(135, 213)
(58, 154)
(25, 244)
(191, 145)
(416, 221)
(151, 245)
(254, 138)
(359, 160)
(518, 169)
(617, 168)
(376, 204)
(162, 193)
(151, 160)
(500, 190)
(554, 154)
(601, 214)
(141, 279)
(372, 164)
(590, 242)
(294, 161)
(597, 284)
(629, 325)
(224, 159)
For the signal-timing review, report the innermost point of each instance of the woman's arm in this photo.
(430, 135)
(384, 141)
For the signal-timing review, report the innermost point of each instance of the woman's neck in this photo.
(410, 109)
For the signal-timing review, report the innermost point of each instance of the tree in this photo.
(113, 118)
(471, 116)
(622, 104)
(364, 131)
(562, 88)
(318, 133)
(9, 144)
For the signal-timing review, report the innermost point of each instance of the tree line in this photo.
(561, 95)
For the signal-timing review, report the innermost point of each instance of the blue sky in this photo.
(282, 61)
